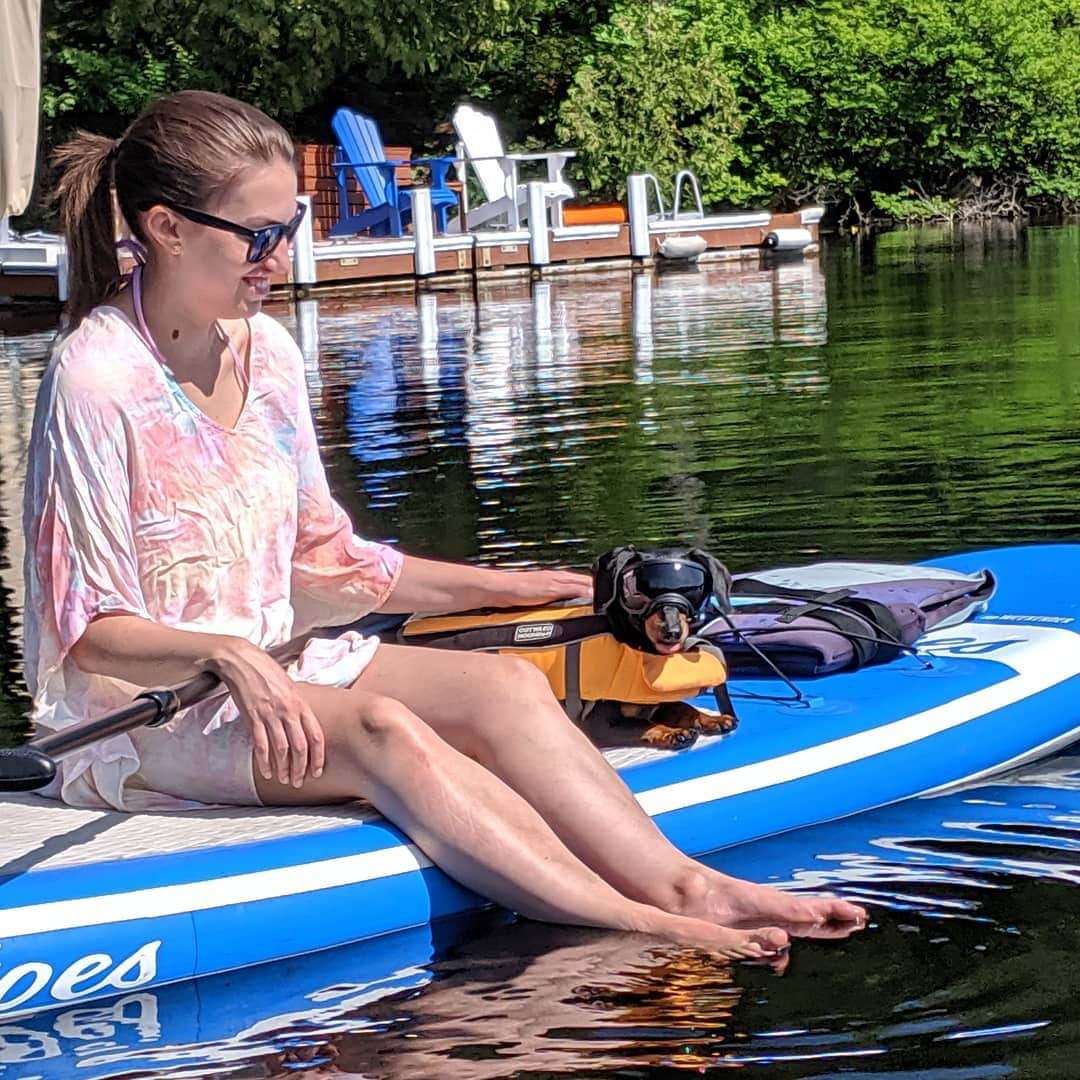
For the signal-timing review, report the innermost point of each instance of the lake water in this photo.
(904, 396)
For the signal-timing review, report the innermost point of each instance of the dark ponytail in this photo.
(86, 211)
(185, 148)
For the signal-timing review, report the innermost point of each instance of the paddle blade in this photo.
(25, 769)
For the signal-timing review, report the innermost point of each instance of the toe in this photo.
(771, 938)
(842, 911)
(829, 909)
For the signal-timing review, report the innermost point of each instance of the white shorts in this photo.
(205, 754)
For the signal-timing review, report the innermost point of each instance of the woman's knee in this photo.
(518, 679)
(517, 699)
(378, 726)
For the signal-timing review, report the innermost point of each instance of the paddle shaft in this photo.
(33, 765)
(148, 709)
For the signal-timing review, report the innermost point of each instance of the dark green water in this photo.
(910, 396)
(905, 396)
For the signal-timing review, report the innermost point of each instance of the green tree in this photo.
(104, 60)
(975, 100)
(928, 106)
(278, 54)
(921, 107)
(526, 75)
(654, 96)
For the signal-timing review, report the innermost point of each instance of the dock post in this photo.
(637, 201)
(539, 248)
(641, 307)
(307, 329)
(423, 233)
(541, 304)
(427, 313)
(303, 252)
(62, 274)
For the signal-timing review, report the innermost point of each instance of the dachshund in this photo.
(654, 600)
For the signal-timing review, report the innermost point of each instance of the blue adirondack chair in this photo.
(389, 208)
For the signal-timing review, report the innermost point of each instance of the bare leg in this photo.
(475, 827)
(501, 712)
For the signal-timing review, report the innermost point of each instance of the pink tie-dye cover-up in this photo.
(138, 502)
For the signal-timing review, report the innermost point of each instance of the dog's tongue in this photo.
(664, 649)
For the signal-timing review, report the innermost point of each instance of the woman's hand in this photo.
(525, 588)
(288, 739)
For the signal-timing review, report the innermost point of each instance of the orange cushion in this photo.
(594, 214)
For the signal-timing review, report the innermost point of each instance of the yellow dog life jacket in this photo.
(583, 662)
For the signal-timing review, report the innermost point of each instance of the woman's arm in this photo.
(337, 574)
(288, 740)
(146, 653)
(431, 586)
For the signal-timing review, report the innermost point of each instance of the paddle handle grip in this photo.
(140, 712)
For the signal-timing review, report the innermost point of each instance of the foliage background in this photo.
(914, 108)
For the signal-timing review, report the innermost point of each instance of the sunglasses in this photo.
(262, 243)
(675, 581)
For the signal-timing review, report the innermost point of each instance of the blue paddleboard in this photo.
(94, 903)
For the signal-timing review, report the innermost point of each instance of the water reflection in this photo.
(729, 406)
(23, 347)
(491, 417)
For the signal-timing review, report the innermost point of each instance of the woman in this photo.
(179, 520)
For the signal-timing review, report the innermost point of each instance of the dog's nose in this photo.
(671, 629)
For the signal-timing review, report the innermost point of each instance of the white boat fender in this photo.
(682, 247)
(787, 239)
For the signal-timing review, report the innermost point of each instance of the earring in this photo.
(176, 250)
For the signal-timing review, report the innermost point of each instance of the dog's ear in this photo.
(605, 574)
(719, 575)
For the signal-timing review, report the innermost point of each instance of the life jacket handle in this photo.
(538, 634)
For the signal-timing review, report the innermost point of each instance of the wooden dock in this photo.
(36, 270)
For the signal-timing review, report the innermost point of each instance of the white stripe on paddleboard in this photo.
(1053, 654)
(214, 893)
(1042, 657)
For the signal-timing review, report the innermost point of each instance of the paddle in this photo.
(33, 765)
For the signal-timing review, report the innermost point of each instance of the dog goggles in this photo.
(261, 242)
(648, 585)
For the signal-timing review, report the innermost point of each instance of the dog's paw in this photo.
(676, 714)
(669, 738)
(711, 723)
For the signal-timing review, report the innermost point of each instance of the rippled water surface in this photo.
(900, 398)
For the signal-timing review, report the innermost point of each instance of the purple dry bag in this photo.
(826, 617)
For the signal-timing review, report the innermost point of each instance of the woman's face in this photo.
(208, 266)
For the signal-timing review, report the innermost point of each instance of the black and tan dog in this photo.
(654, 600)
(645, 602)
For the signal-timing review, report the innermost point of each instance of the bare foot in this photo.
(759, 943)
(733, 902)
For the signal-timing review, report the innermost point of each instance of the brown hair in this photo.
(184, 148)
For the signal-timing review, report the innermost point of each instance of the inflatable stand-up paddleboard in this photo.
(232, 1019)
(95, 903)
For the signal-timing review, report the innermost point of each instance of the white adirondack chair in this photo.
(481, 147)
